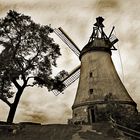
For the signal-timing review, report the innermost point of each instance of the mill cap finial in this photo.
(99, 22)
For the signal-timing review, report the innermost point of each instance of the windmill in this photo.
(98, 77)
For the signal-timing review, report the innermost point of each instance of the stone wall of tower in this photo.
(82, 114)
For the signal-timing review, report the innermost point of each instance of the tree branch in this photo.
(29, 78)
(4, 43)
(29, 62)
(6, 101)
(19, 63)
(30, 85)
(17, 46)
(35, 56)
(16, 83)
(23, 78)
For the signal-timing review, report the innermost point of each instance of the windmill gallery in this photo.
(99, 83)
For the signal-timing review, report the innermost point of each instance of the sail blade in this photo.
(56, 92)
(72, 77)
(69, 38)
(66, 39)
(113, 39)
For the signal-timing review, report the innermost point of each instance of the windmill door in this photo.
(91, 115)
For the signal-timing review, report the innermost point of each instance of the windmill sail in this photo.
(66, 39)
(113, 39)
(73, 76)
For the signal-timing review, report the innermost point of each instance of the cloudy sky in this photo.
(76, 17)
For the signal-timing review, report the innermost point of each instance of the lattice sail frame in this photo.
(74, 75)
(67, 40)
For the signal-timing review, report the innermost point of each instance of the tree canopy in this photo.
(28, 53)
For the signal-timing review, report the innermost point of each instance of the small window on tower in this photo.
(91, 91)
(90, 74)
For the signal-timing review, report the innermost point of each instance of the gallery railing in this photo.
(127, 131)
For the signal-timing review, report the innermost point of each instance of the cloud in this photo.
(107, 5)
(38, 105)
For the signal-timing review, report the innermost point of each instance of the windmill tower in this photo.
(99, 80)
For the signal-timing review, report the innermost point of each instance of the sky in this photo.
(76, 17)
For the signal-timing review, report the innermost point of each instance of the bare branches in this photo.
(23, 78)
(30, 77)
(6, 101)
(16, 83)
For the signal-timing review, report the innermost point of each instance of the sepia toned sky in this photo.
(77, 18)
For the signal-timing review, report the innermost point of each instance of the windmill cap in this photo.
(98, 44)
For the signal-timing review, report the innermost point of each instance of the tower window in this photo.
(75, 115)
(91, 91)
(90, 74)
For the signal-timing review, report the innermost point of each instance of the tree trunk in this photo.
(14, 105)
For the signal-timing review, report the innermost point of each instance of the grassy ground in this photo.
(59, 132)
